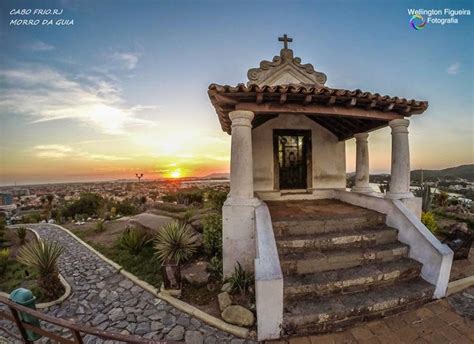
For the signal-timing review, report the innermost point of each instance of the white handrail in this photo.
(268, 278)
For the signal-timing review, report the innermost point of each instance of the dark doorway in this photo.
(292, 151)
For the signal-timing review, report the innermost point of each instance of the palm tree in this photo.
(43, 255)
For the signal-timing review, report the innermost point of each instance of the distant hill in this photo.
(463, 171)
(217, 176)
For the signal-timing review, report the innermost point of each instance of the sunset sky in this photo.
(124, 90)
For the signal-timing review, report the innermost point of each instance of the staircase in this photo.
(341, 265)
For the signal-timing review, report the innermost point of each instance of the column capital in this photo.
(399, 125)
(361, 136)
(241, 114)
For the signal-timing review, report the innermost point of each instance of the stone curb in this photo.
(67, 287)
(459, 285)
(238, 331)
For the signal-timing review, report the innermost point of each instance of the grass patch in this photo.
(16, 276)
(143, 265)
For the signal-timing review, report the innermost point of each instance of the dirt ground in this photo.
(11, 236)
(113, 229)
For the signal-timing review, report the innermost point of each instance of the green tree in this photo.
(88, 204)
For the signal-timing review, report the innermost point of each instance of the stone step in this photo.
(349, 238)
(333, 313)
(317, 261)
(328, 224)
(350, 280)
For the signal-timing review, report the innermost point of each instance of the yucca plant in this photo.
(175, 242)
(43, 255)
(4, 257)
(134, 240)
(240, 280)
(21, 233)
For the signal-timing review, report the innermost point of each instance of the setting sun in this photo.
(175, 174)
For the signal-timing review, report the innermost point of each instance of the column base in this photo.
(238, 233)
(362, 189)
(399, 195)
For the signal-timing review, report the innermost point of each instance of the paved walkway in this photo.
(109, 301)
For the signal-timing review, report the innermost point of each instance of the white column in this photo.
(238, 213)
(362, 164)
(400, 172)
(241, 166)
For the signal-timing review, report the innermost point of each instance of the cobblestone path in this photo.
(109, 301)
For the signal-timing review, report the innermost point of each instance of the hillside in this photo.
(463, 171)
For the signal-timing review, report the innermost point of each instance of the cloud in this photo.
(39, 46)
(56, 151)
(45, 94)
(454, 68)
(127, 60)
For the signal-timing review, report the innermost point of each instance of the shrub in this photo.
(4, 257)
(2, 230)
(212, 235)
(188, 215)
(43, 255)
(126, 207)
(134, 240)
(441, 199)
(88, 204)
(175, 242)
(428, 219)
(189, 196)
(100, 226)
(216, 199)
(21, 233)
(240, 280)
(215, 266)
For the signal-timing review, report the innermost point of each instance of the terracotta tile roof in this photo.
(225, 97)
(319, 91)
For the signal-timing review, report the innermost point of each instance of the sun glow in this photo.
(175, 174)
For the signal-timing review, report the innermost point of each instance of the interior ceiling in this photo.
(343, 128)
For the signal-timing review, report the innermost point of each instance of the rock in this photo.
(224, 300)
(193, 337)
(238, 315)
(142, 328)
(196, 273)
(126, 284)
(177, 333)
(99, 319)
(149, 221)
(459, 226)
(117, 314)
(197, 225)
(226, 287)
(156, 326)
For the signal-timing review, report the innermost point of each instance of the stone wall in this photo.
(328, 154)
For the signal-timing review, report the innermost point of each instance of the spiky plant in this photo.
(21, 233)
(175, 242)
(134, 240)
(43, 255)
(240, 280)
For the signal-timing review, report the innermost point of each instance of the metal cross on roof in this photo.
(285, 39)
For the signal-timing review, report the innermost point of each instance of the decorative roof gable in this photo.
(285, 69)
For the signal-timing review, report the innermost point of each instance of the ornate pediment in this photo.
(285, 69)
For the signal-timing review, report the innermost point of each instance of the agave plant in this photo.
(240, 280)
(134, 240)
(43, 255)
(175, 242)
(21, 233)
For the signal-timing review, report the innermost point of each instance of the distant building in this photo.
(6, 199)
